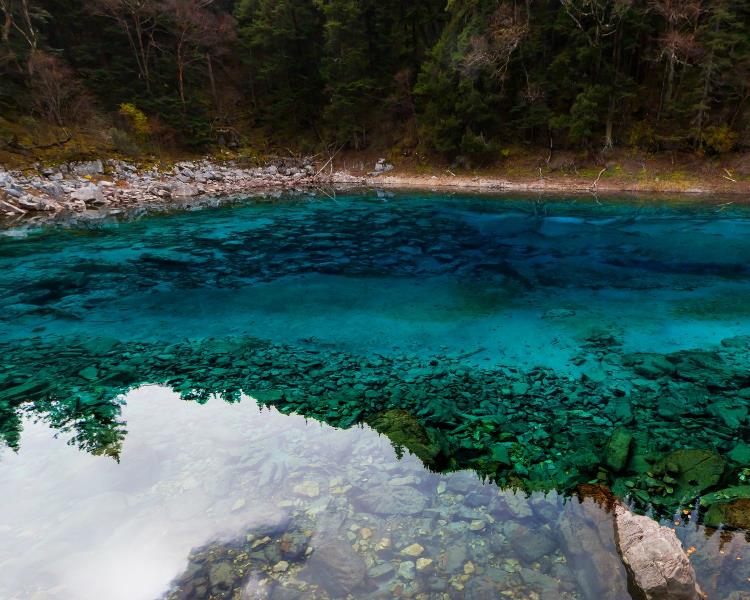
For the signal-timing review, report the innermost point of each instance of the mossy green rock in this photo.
(618, 450)
(734, 514)
(740, 454)
(726, 495)
(694, 470)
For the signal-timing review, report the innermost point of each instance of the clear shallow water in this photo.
(233, 500)
(545, 347)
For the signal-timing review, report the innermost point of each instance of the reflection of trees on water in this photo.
(534, 430)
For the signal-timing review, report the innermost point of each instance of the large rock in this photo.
(90, 194)
(182, 190)
(657, 565)
(335, 566)
(694, 471)
(532, 544)
(91, 167)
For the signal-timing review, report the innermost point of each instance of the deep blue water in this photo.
(504, 347)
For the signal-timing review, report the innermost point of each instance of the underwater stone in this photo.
(694, 470)
(734, 514)
(336, 567)
(393, 501)
(740, 454)
(221, 576)
(309, 489)
(413, 550)
(380, 570)
(89, 373)
(406, 570)
(532, 544)
(653, 366)
(654, 558)
(731, 413)
(618, 450)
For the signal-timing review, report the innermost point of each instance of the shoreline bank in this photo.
(572, 185)
(80, 187)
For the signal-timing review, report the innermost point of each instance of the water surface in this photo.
(495, 365)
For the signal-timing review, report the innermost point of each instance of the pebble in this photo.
(309, 489)
(406, 569)
(413, 550)
(280, 566)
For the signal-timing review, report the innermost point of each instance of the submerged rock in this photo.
(532, 544)
(618, 450)
(657, 565)
(729, 507)
(734, 514)
(393, 501)
(335, 566)
(693, 470)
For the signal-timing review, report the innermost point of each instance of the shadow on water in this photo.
(492, 373)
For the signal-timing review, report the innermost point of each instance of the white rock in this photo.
(89, 193)
(654, 558)
(183, 190)
(92, 167)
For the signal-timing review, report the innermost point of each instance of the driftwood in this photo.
(598, 177)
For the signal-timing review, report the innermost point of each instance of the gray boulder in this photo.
(90, 194)
(183, 190)
(91, 167)
(653, 556)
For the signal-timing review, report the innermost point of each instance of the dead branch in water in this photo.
(598, 177)
(330, 161)
(16, 208)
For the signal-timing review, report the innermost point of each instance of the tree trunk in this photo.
(7, 22)
(212, 81)
(608, 136)
(143, 60)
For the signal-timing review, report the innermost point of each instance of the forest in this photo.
(455, 78)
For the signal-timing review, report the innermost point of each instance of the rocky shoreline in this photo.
(112, 185)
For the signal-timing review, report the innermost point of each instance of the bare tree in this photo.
(53, 86)
(494, 49)
(199, 34)
(19, 16)
(137, 19)
(678, 43)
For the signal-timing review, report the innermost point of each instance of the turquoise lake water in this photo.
(379, 395)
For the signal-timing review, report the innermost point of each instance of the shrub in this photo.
(136, 119)
(719, 138)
